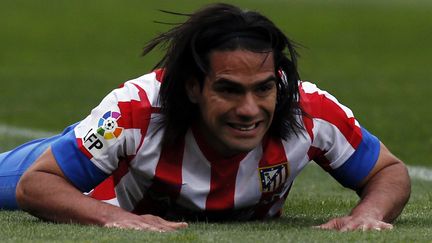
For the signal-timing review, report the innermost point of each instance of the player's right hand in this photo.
(147, 222)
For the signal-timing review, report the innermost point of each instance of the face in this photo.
(237, 101)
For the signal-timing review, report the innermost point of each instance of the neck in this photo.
(209, 151)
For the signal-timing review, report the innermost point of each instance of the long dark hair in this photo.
(222, 27)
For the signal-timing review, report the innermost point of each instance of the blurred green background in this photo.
(59, 58)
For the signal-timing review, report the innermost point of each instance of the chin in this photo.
(242, 146)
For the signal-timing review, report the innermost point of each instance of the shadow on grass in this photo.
(302, 220)
(414, 222)
(283, 223)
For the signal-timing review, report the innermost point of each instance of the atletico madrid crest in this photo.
(273, 177)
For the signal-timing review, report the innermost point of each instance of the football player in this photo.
(218, 131)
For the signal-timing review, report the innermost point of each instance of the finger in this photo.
(322, 226)
(151, 226)
(136, 225)
(169, 225)
(387, 226)
(122, 225)
(383, 226)
(330, 225)
(326, 226)
(112, 225)
(375, 226)
(157, 229)
(148, 223)
(176, 225)
(127, 225)
(351, 225)
(164, 224)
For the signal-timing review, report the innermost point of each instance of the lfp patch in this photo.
(273, 177)
(108, 127)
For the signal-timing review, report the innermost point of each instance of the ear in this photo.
(193, 90)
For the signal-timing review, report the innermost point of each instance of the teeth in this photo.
(245, 128)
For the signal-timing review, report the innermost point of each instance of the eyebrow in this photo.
(233, 82)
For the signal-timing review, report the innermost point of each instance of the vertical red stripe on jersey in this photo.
(318, 156)
(319, 106)
(167, 181)
(223, 175)
(308, 124)
(136, 114)
(222, 184)
(274, 154)
(122, 169)
(168, 175)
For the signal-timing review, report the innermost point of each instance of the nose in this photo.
(247, 106)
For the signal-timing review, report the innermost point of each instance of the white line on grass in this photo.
(420, 172)
(11, 131)
(416, 172)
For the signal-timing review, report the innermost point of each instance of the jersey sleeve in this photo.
(338, 142)
(112, 132)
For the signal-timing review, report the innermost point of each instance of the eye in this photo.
(227, 89)
(264, 89)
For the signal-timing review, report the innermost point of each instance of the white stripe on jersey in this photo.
(132, 135)
(245, 194)
(196, 175)
(133, 186)
(146, 159)
(296, 148)
(151, 86)
(329, 138)
(126, 93)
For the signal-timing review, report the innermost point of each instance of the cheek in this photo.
(270, 104)
(212, 107)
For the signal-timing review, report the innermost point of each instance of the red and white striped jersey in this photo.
(119, 143)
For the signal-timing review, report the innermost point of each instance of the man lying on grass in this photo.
(218, 131)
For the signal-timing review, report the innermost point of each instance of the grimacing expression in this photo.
(237, 100)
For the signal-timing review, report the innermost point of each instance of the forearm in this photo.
(51, 197)
(385, 194)
(45, 192)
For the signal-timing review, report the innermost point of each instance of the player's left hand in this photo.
(350, 223)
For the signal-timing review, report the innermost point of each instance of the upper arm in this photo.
(42, 173)
(339, 144)
(87, 152)
(385, 160)
(46, 163)
(90, 152)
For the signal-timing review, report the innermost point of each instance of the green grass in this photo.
(314, 199)
(59, 58)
